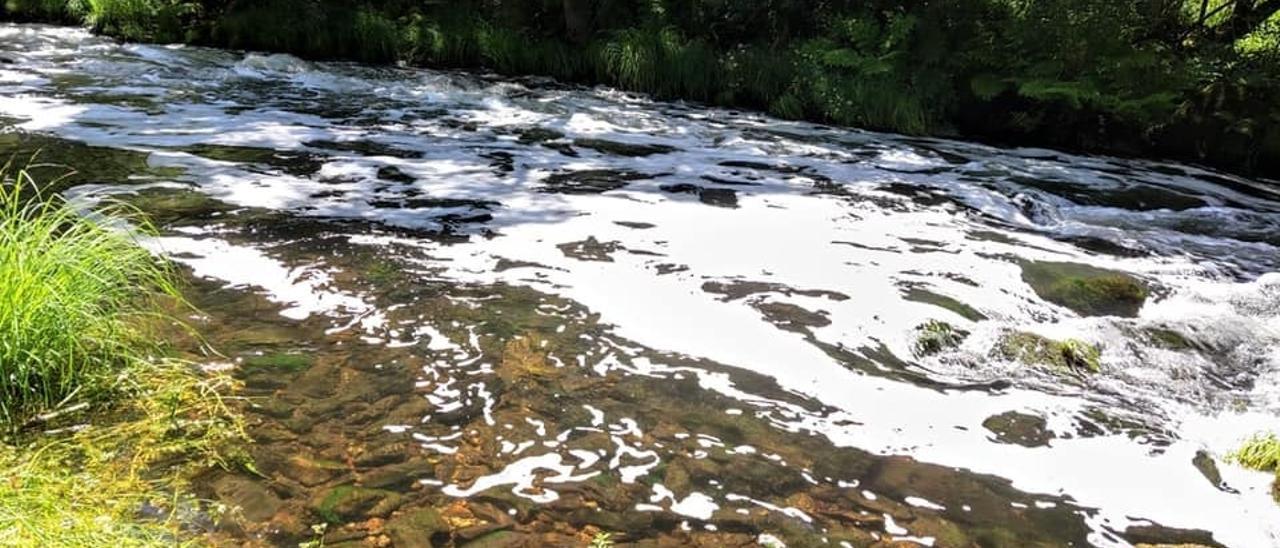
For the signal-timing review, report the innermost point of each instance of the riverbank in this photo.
(1185, 83)
(99, 434)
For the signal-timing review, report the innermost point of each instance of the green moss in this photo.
(415, 527)
(492, 540)
(330, 501)
(1032, 349)
(62, 163)
(1168, 339)
(1086, 290)
(928, 297)
(165, 206)
(287, 362)
(935, 336)
(347, 502)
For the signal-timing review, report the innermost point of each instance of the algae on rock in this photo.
(1086, 290)
(1033, 349)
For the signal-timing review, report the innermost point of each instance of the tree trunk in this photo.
(577, 20)
(1246, 16)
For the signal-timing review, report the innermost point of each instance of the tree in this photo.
(578, 15)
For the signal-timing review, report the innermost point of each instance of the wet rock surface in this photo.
(1087, 290)
(339, 450)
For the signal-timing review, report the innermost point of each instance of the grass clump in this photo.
(1261, 452)
(935, 336)
(73, 296)
(99, 436)
(1032, 349)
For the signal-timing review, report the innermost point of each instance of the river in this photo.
(513, 311)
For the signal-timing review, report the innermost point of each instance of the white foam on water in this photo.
(839, 224)
(302, 289)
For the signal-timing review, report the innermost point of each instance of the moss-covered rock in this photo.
(965, 311)
(935, 336)
(349, 503)
(414, 528)
(1019, 429)
(1084, 289)
(254, 501)
(164, 206)
(298, 164)
(622, 149)
(281, 361)
(1032, 349)
(1168, 339)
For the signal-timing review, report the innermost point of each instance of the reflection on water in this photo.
(470, 310)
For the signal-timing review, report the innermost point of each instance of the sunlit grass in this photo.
(90, 488)
(99, 434)
(1261, 452)
(73, 294)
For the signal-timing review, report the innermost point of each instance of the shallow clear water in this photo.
(549, 311)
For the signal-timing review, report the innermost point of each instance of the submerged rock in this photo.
(395, 175)
(589, 249)
(283, 362)
(916, 294)
(591, 181)
(538, 135)
(1086, 290)
(256, 502)
(1019, 429)
(1032, 349)
(791, 317)
(366, 148)
(719, 197)
(164, 206)
(296, 163)
(349, 503)
(622, 149)
(414, 528)
(59, 163)
(1209, 469)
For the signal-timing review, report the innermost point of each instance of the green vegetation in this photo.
(934, 336)
(1032, 349)
(1194, 79)
(73, 296)
(282, 362)
(602, 540)
(167, 423)
(1262, 452)
(1086, 290)
(96, 428)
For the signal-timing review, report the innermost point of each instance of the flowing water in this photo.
(480, 310)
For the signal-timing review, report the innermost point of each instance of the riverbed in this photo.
(515, 311)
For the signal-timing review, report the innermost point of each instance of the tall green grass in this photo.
(75, 293)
